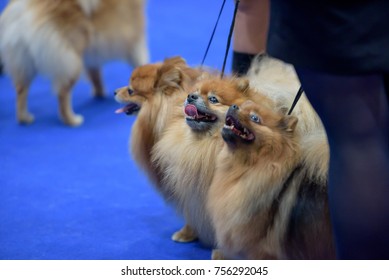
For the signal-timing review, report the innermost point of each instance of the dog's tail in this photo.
(31, 43)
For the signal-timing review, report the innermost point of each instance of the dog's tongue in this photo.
(121, 110)
(124, 109)
(191, 110)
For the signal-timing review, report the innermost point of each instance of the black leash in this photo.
(229, 37)
(299, 92)
(296, 99)
(213, 32)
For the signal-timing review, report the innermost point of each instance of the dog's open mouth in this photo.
(193, 114)
(236, 127)
(129, 109)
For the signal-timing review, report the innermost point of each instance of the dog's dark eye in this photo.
(130, 91)
(213, 99)
(255, 118)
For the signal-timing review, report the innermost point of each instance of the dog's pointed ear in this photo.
(170, 75)
(169, 78)
(175, 60)
(289, 123)
(242, 85)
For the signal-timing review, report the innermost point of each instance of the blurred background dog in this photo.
(60, 39)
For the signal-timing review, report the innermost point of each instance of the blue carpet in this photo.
(75, 193)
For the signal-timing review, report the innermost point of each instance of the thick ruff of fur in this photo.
(158, 90)
(59, 38)
(187, 151)
(261, 205)
(279, 81)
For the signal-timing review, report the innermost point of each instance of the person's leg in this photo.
(250, 33)
(354, 111)
(386, 82)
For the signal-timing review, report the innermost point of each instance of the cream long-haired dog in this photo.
(186, 152)
(278, 80)
(268, 198)
(263, 201)
(59, 38)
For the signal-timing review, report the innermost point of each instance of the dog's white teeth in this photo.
(229, 126)
(245, 131)
(190, 117)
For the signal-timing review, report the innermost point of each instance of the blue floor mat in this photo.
(75, 193)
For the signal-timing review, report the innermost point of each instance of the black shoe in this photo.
(241, 63)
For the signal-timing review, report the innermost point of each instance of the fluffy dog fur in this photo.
(260, 202)
(279, 81)
(186, 153)
(155, 91)
(284, 180)
(58, 38)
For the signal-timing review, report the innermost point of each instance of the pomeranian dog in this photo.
(262, 201)
(59, 38)
(279, 81)
(186, 153)
(155, 92)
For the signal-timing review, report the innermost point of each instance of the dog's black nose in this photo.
(115, 92)
(192, 97)
(235, 107)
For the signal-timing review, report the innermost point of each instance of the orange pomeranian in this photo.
(262, 201)
(186, 153)
(155, 91)
(61, 38)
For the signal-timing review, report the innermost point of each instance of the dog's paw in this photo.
(186, 234)
(26, 118)
(217, 255)
(75, 120)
